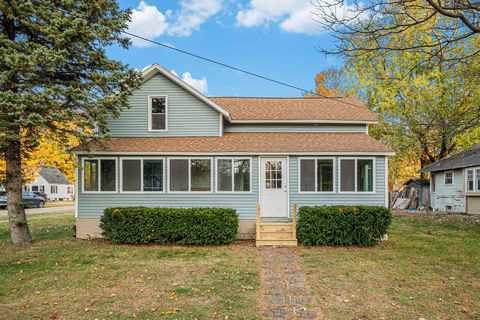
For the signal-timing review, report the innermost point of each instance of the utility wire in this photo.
(223, 64)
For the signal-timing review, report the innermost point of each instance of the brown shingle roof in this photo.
(313, 108)
(250, 142)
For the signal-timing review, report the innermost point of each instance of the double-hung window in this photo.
(190, 175)
(53, 189)
(357, 175)
(142, 175)
(448, 178)
(473, 180)
(317, 174)
(100, 175)
(157, 113)
(233, 175)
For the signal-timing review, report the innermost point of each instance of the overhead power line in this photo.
(222, 64)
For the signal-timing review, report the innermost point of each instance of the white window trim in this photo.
(189, 175)
(316, 176)
(355, 175)
(445, 178)
(476, 186)
(233, 177)
(98, 177)
(141, 173)
(150, 113)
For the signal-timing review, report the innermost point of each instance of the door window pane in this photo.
(325, 175)
(91, 175)
(224, 175)
(307, 175)
(200, 175)
(179, 175)
(131, 175)
(365, 175)
(273, 175)
(152, 175)
(242, 174)
(347, 178)
(107, 175)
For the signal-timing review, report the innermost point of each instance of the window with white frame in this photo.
(99, 175)
(317, 175)
(448, 177)
(473, 180)
(356, 175)
(157, 108)
(233, 175)
(190, 175)
(53, 189)
(142, 175)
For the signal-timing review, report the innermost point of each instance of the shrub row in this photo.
(342, 225)
(199, 226)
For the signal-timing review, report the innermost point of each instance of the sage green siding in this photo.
(91, 205)
(187, 115)
(305, 127)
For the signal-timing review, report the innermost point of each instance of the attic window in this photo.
(157, 113)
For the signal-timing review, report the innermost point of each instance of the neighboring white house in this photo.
(53, 183)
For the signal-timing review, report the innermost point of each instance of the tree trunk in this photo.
(19, 231)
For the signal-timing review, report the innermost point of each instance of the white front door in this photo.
(273, 188)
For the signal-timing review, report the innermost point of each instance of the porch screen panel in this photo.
(152, 175)
(108, 176)
(131, 178)
(201, 174)
(90, 172)
(179, 175)
(224, 172)
(325, 175)
(307, 175)
(347, 178)
(365, 175)
(242, 174)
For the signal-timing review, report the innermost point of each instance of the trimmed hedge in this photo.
(198, 226)
(342, 225)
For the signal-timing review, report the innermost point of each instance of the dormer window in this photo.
(157, 113)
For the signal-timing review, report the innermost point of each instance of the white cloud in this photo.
(149, 22)
(296, 16)
(199, 84)
(192, 14)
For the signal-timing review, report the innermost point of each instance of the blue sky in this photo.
(275, 38)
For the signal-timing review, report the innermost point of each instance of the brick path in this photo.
(284, 293)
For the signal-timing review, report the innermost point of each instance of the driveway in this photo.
(65, 209)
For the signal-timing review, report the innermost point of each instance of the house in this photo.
(455, 182)
(175, 147)
(53, 183)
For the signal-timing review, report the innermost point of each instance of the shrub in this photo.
(342, 225)
(199, 226)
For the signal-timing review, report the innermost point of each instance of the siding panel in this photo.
(187, 115)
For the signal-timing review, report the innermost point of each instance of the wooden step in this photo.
(276, 242)
(276, 227)
(275, 235)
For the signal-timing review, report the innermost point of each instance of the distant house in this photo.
(455, 182)
(53, 183)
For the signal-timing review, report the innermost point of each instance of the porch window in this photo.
(142, 175)
(356, 175)
(157, 108)
(193, 175)
(316, 175)
(99, 175)
(233, 175)
(449, 177)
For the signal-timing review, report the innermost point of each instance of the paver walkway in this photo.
(284, 292)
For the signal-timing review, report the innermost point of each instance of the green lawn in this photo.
(429, 268)
(62, 278)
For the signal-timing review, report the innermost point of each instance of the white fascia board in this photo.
(193, 153)
(307, 121)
